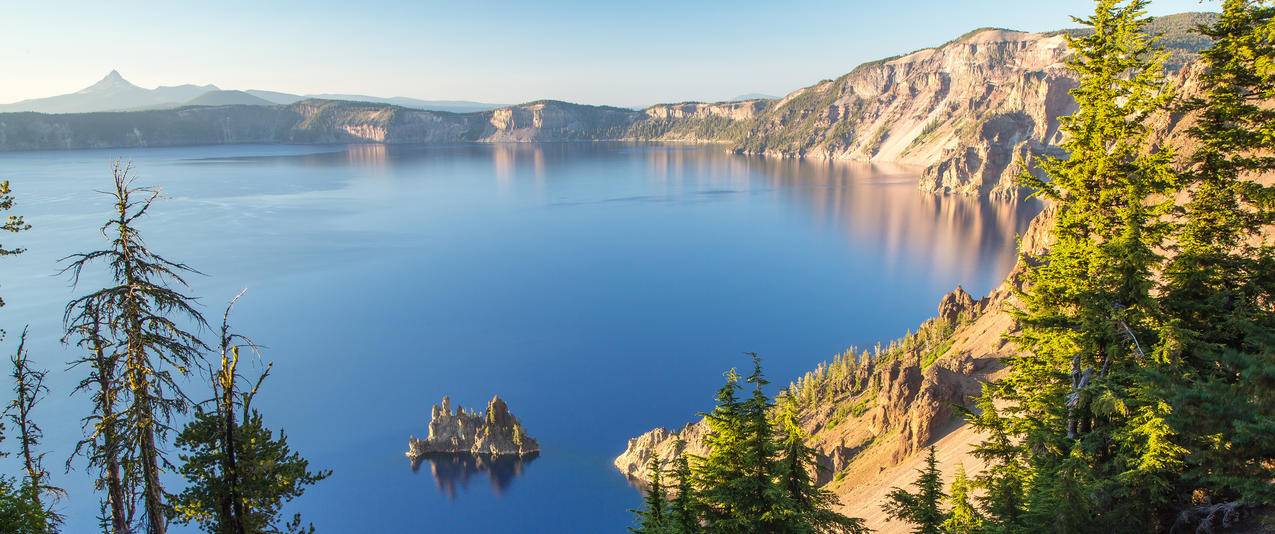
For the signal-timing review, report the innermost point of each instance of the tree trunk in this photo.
(154, 492)
(110, 442)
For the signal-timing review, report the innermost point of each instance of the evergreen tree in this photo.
(144, 313)
(921, 509)
(653, 518)
(1084, 376)
(12, 224)
(1062, 500)
(105, 447)
(29, 390)
(19, 511)
(805, 507)
(1219, 288)
(20, 505)
(718, 474)
(272, 474)
(757, 503)
(683, 511)
(962, 517)
(238, 474)
(1004, 483)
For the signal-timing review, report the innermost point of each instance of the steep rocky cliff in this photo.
(494, 431)
(972, 112)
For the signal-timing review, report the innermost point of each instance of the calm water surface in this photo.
(600, 289)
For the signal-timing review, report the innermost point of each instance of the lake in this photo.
(600, 289)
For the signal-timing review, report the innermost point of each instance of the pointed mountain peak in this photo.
(112, 81)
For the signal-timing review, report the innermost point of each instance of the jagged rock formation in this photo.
(492, 432)
(971, 114)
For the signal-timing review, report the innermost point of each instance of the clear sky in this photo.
(596, 52)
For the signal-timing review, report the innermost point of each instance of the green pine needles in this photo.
(1144, 396)
(756, 476)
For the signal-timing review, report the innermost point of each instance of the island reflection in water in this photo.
(453, 471)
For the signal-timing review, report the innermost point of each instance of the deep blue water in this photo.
(601, 289)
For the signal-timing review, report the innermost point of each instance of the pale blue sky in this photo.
(595, 52)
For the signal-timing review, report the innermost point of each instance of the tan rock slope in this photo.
(971, 112)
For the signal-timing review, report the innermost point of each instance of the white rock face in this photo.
(492, 432)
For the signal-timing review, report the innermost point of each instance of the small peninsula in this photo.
(493, 432)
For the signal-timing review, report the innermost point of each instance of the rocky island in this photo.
(493, 432)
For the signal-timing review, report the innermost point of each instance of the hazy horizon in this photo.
(508, 53)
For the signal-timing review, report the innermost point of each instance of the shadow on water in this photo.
(453, 471)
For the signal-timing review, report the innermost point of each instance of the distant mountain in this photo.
(114, 93)
(454, 106)
(109, 94)
(754, 96)
(228, 98)
(276, 97)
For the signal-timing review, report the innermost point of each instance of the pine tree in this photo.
(718, 473)
(12, 224)
(143, 311)
(962, 517)
(653, 518)
(1004, 483)
(29, 390)
(758, 496)
(20, 506)
(683, 513)
(1088, 314)
(238, 474)
(1062, 498)
(105, 447)
(272, 474)
(1219, 287)
(804, 506)
(921, 509)
(18, 510)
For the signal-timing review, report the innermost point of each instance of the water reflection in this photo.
(880, 207)
(453, 471)
(875, 206)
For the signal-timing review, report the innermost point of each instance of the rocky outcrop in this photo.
(889, 401)
(955, 304)
(663, 445)
(492, 432)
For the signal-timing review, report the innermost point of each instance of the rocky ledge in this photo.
(491, 432)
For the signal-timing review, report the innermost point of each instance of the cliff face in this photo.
(964, 110)
(332, 121)
(492, 432)
(972, 112)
